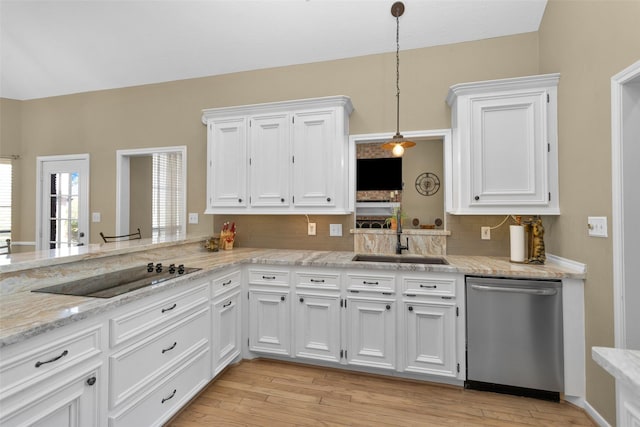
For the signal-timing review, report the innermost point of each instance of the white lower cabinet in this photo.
(628, 402)
(429, 337)
(371, 332)
(226, 321)
(160, 355)
(317, 326)
(269, 321)
(157, 404)
(54, 379)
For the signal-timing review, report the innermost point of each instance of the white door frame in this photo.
(618, 81)
(84, 197)
(123, 184)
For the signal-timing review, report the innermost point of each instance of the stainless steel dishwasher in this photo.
(514, 336)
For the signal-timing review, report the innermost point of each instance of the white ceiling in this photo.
(53, 47)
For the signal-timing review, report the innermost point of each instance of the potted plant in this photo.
(391, 222)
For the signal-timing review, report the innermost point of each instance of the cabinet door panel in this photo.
(270, 160)
(269, 328)
(508, 150)
(73, 403)
(318, 327)
(315, 168)
(227, 171)
(226, 331)
(371, 333)
(430, 338)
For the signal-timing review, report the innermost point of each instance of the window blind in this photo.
(167, 197)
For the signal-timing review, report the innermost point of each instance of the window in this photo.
(167, 198)
(5, 204)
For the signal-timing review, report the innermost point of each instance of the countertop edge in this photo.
(622, 364)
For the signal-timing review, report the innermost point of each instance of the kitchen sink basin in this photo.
(117, 282)
(403, 259)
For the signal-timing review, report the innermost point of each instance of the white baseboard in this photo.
(595, 415)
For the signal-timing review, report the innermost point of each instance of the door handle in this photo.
(528, 291)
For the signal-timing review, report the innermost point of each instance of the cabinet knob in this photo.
(476, 198)
(239, 200)
(282, 200)
(282, 298)
(388, 307)
(328, 199)
(410, 308)
(91, 381)
(301, 299)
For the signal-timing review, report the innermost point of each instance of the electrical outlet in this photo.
(485, 233)
(193, 217)
(311, 229)
(335, 230)
(597, 226)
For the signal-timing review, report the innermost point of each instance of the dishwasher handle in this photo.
(529, 291)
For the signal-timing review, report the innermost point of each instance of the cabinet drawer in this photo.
(318, 280)
(269, 277)
(225, 282)
(140, 364)
(368, 282)
(156, 407)
(429, 286)
(145, 317)
(35, 361)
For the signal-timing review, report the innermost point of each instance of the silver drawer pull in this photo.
(170, 348)
(428, 286)
(269, 277)
(317, 280)
(227, 282)
(364, 282)
(164, 399)
(226, 305)
(170, 308)
(63, 354)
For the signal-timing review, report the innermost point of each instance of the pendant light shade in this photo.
(398, 143)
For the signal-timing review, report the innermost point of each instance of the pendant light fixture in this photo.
(398, 143)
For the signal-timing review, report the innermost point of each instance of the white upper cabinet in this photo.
(269, 142)
(227, 162)
(288, 157)
(504, 153)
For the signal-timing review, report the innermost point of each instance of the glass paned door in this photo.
(63, 220)
(64, 195)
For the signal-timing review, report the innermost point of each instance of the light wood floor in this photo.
(270, 393)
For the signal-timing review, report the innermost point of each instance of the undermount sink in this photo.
(117, 282)
(403, 259)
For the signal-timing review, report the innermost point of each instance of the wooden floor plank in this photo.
(270, 393)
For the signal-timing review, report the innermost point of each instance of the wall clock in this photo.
(427, 183)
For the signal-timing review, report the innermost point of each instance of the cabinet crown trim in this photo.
(296, 104)
(475, 88)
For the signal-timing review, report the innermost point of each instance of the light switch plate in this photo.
(335, 230)
(96, 217)
(597, 226)
(193, 217)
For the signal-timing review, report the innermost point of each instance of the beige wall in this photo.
(169, 114)
(140, 200)
(588, 42)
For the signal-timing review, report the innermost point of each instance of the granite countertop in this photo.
(24, 314)
(623, 364)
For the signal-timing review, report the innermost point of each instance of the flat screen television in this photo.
(379, 174)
